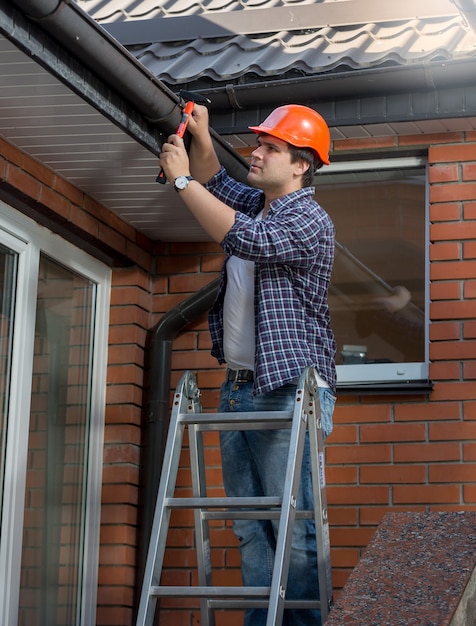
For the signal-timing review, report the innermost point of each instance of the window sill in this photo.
(409, 387)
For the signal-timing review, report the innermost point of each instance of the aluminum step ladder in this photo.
(187, 414)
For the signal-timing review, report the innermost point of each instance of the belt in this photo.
(239, 376)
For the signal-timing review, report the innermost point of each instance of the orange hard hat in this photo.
(300, 126)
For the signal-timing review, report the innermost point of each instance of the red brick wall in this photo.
(386, 453)
(417, 452)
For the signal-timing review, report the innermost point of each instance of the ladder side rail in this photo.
(160, 524)
(324, 567)
(202, 530)
(288, 512)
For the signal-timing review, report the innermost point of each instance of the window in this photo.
(7, 277)
(378, 291)
(54, 315)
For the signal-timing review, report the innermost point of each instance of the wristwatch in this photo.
(181, 182)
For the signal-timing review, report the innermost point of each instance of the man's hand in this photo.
(174, 158)
(198, 123)
(203, 159)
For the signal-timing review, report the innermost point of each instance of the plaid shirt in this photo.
(293, 251)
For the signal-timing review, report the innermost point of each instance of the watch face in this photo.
(181, 182)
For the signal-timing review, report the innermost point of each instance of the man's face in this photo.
(271, 167)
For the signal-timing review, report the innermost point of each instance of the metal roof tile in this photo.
(112, 10)
(308, 51)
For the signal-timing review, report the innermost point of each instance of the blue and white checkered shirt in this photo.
(293, 252)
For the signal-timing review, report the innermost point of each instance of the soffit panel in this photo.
(48, 121)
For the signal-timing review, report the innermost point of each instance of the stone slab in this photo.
(418, 569)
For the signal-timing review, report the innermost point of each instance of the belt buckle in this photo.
(240, 376)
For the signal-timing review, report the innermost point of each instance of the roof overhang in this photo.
(78, 101)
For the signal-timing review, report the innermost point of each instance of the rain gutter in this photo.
(351, 85)
(66, 23)
(100, 52)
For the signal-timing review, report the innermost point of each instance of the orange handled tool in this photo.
(186, 113)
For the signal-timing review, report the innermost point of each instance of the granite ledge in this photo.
(418, 569)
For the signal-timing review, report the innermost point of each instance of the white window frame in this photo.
(29, 240)
(357, 374)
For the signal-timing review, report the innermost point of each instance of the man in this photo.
(270, 320)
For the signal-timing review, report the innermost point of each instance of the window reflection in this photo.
(8, 262)
(377, 294)
(52, 553)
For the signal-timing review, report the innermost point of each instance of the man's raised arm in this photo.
(204, 163)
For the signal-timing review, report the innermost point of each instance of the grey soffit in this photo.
(54, 125)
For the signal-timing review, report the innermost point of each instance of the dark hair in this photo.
(308, 156)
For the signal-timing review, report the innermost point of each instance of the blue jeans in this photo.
(254, 464)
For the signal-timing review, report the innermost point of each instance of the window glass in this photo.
(378, 290)
(55, 497)
(7, 289)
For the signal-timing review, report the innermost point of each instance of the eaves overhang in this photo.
(75, 99)
(357, 63)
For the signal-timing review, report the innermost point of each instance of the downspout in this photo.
(158, 405)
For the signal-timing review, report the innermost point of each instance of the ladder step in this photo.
(230, 515)
(230, 597)
(234, 508)
(258, 603)
(209, 592)
(259, 420)
(226, 503)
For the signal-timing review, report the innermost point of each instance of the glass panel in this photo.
(8, 263)
(52, 554)
(377, 295)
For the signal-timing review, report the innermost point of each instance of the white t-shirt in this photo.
(238, 315)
